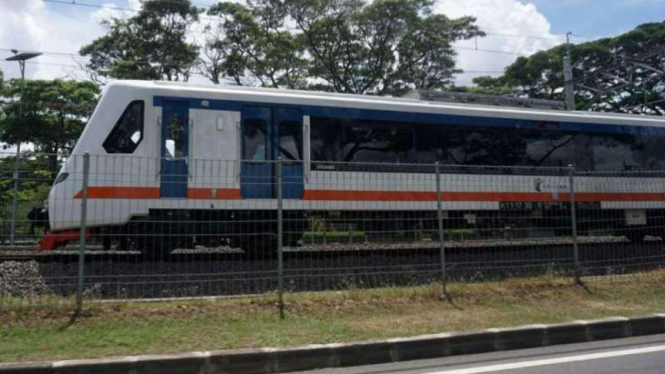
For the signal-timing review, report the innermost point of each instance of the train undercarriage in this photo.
(256, 231)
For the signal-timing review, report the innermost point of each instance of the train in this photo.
(176, 164)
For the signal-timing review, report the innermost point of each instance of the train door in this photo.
(267, 134)
(175, 149)
(289, 137)
(255, 168)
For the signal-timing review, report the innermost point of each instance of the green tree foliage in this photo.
(151, 45)
(253, 40)
(607, 80)
(36, 181)
(54, 114)
(486, 85)
(351, 46)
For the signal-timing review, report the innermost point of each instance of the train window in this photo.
(254, 140)
(429, 141)
(290, 140)
(370, 142)
(128, 131)
(325, 138)
(452, 145)
(654, 151)
(614, 152)
(549, 148)
(463, 147)
(174, 140)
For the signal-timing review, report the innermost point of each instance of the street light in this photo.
(21, 57)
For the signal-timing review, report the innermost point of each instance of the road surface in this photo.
(644, 355)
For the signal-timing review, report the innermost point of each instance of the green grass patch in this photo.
(456, 235)
(166, 327)
(318, 237)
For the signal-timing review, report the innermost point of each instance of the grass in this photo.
(151, 328)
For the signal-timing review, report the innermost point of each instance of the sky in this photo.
(514, 27)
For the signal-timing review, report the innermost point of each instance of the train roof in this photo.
(255, 94)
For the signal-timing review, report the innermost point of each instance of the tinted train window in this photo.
(361, 141)
(551, 149)
(654, 151)
(452, 145)
(325, 138)
(174, 138)
(368, 142)
(290, 140)
(429, 141)
(615, 152)
(128, 131)
(254, 140)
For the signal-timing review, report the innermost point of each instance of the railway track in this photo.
(195, 273)
(95, 252)
(17, 257)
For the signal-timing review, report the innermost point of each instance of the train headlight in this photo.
(61, 177)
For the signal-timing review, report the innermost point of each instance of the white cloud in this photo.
(36, 26)
(108, 11)
(507, 17)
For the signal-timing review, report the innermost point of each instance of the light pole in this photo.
(21, 57)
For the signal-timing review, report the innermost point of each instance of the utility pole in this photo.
(21, 58)
(568, 76)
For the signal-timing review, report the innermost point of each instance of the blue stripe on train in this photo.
(411, 117)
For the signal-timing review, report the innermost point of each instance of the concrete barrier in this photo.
(271, 360)
(567, 333)
(612, 328)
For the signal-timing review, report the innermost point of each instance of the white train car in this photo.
(183, 153)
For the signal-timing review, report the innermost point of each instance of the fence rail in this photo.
(126, 227)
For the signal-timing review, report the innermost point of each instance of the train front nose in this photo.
(61, 212)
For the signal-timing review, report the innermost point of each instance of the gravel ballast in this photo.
(225, 271)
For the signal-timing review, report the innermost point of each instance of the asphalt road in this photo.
(635, 356)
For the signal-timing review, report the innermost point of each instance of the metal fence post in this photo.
(440, 221)
(280, 234)
(84, 211)
(12, 233)
(573, 219)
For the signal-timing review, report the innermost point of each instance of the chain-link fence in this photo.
(125, 227)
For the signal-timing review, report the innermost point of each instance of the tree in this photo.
(352, 46)
(605, 71)
(151, 45)
(486, 85)
(54, 114)
(254, 40)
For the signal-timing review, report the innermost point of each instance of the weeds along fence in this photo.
(126, 227)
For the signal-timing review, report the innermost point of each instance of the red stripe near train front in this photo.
(120, 193)
(349, 195)
(154, 193)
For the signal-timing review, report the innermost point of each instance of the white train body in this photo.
(208, 166)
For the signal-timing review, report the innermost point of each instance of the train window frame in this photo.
(111, 144)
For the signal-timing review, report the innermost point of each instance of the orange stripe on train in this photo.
(337, 195)
(213, 193)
